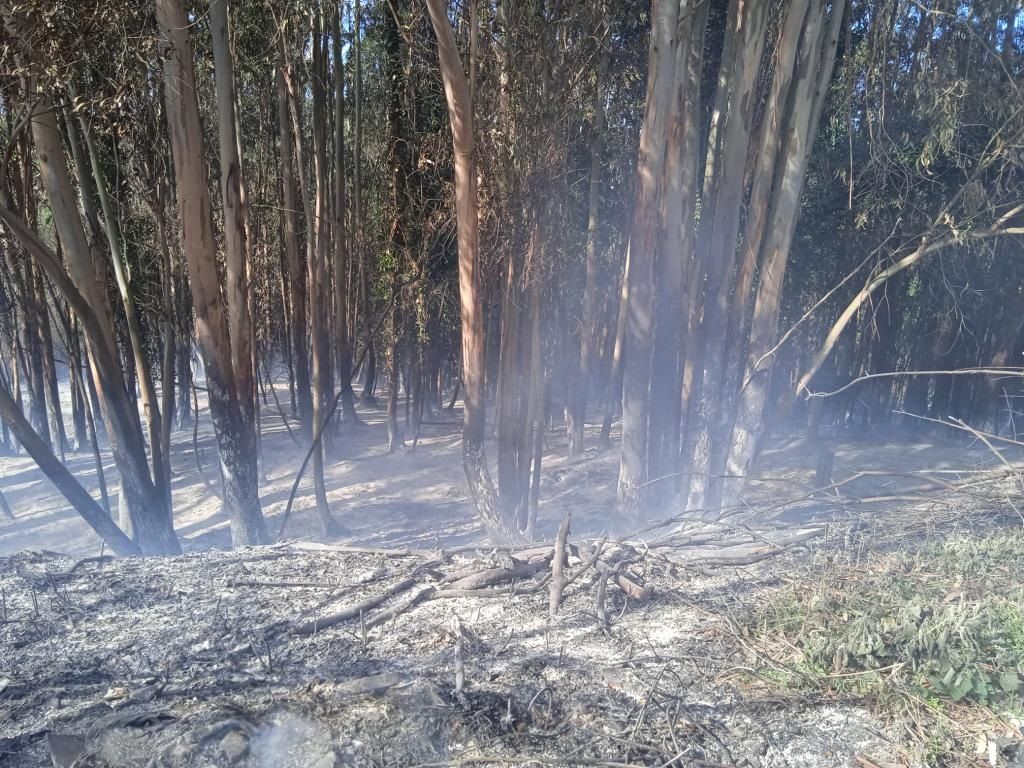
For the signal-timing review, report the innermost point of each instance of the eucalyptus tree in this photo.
(236, 438)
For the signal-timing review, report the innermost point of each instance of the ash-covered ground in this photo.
(202, 660)
(198, 660)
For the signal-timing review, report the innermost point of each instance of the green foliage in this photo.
(947, 622)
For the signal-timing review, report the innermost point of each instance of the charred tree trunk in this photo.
(674, 257)
(183, 365)
(588, 330)
(366, 300)
(33, 355)
(58, 434)
(460, 112)
(316, 257)
(235, 437)
(143, 370)
(314, 268)
(716, 240)
(79, 397)
(399, 156)
(613, 393)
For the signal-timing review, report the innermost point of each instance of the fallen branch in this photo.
(315, 546)
(624, 581)
(589, 562)
(314, 626)
(233, 583)
(373, 685)
(515, 589)
(519, 570)
(637, 591)
(748, 555)
(391, 613)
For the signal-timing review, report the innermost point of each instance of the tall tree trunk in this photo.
(769, 142)
(342, 333)
(460, 113)
(811, 81)
(235, 235)
(399, 158)
(81, 287)
(316, 233)
(143, 371)
(57, 432)
(170, 335)
(66, 333)
(79, 397)
(588, 330)
(26, 350)
(675, 255)
(534, 421)
(513, 384)
(91, 398)
(296, 267)
(235, 437)
(315, 256)
(366, 300)
(613, 393)
(759, 206)
(716, 240)
(31, 320)
(153, 532)
(639, 329)
(184, 417)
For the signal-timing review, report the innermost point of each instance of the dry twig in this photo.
(558, 580)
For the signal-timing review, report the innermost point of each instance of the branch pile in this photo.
(495, 574)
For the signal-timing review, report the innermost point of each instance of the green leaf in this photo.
(1009, 681)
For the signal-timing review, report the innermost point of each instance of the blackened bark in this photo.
(460, 113)
(235, 438)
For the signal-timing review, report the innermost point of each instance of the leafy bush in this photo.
(948, 620)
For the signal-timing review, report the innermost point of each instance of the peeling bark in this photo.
(460, 113)
(235, 438)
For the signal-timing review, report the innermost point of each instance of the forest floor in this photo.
(746, 652)
(418, 498)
